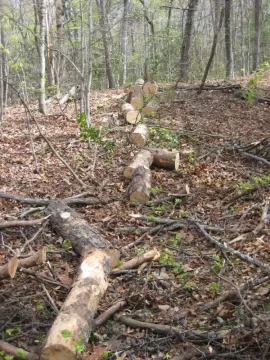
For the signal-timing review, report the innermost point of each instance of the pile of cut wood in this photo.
(143, 101)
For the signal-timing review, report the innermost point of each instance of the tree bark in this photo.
(213, 50)
(104, 30)
(257, 35)
(144, 158)
(138, 189)
(42, 17)
(184, 60)
(228, 40)
(125, 39)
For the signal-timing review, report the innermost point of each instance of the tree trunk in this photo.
(168, 26)
(257, 35)
(184, 61)
(228, 40)
(104, 30)
(42, 11)
(213, 50)
(125, 39)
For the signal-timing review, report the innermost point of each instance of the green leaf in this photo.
(21, 353)
(66, 334)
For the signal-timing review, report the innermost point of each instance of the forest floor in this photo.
(226, 189)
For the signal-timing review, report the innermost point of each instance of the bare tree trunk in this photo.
(49, 53)
(1, 74)
(213, 50)
(125, 39)
(42, 17)
(168, 26)
(184, 61)
(228, 39)
(243, 65)
(257, 35)
(60, 18)
(104, 30)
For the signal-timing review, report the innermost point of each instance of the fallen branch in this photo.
(258, 158)
(142, 237)
(9, 269)
(19, 353)
(16, 223)
(45, 202)
(102, 318)
(43, 278)
(195, 336)
(151, 255)
(225, 247)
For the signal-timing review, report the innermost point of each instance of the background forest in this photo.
(47, 46)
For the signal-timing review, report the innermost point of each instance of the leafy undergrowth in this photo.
(226, 190)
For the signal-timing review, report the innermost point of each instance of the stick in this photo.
(16, 223)
(102, 318)
(18, 352)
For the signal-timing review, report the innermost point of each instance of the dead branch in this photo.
(16, 223)
(151, 255)
(9, 269)
(142, 237)
(17, 352)
(225, 247)
(45, 202)
(166, 199)
(43, 278)
(258, 158)
(102, 318)
(195, 336)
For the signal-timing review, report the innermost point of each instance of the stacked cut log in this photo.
(139, 135)
(131, 115)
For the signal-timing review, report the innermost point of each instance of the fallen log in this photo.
(166, 159)
(66, 97)
(69, 225)
(150, 108)
(150, 88)
(9, 270)
(143, 158)
(73, 325)
(138, 189)
(139, 135)
(136, 97)
(131, 115)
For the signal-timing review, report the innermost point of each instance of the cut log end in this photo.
(58, 352)
(139, 187)
(139, 135)
(139, 196)
(166, 159)
(143, 158)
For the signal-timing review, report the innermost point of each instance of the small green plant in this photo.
(41, 307)
(78, 345)
(21, 352)
(66, 334)
(252, 90)
(175, 240)
(246, 185)
(191, 159)
(5, 356)
(167, 356)
(164, 137)
(67, 244)
(166, 258)
(105, 355)
(217, 265)
(119, 262)
(155, 189)
(139, 251)
(215, 287)
(190, 285)
(256, 180)
(13, 331)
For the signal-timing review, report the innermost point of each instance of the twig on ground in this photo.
(31, 211)
(151, 255)
(225, 247)
(17, 223)
(18, 352)
(258, 158)
(32, 238)
(50, 299)
(102, 318)
(142, 237)
(43, 278)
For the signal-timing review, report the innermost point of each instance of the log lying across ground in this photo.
(139, 135)
(143, 158)
(166, 159)
(136, 97)
(131, 115)
(138, 189)
(74, 322)
(150, 108)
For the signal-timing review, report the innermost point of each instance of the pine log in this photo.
(139, 135)
(138, 189)
(9, 270)
(151, 108)
(166, 159)
(143, 158)
(77, 314)
(69, 225)
(136, 97)
(131, 116)
(150, 88)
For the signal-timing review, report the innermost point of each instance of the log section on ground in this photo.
(138, 189)
(136, 97)
(151, 108)
(150, 88)
(165, 159)
(130, 115)
(143, 158)
(139, 135)
(69, 225)
(74, 323)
